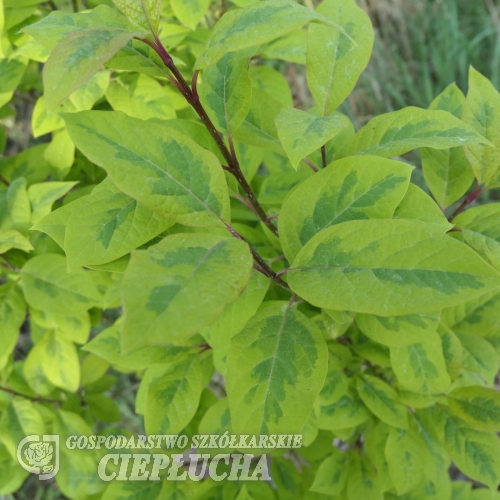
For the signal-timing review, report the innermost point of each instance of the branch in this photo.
(476, 192)
(193, 99)
(323, 155)
(36, 399)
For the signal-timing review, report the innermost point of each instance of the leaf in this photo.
(16, 209)
(182, 284)
(42, 122)
(387, 267)
(60, 154)
(12, 71)
(75, 328)
(226, 92)
(11, 475)
(275, 370)
(447, 172)
(382, 400)
(169, 174)
(479, 356)
(302, 133)
(362, 480)
(398, 331)
(54, 224)
(140, 96)
(12, 315)
(452, 351)
(335, 61)
(417, 205)
(107, 345)
(81, 54)
(331, 476)
(47, 286)
(476, 453)
(90, 92)
(190, 12)
(405, 453)
(347, 412)
(255, 25)
(109, 226)
(132, 490)
(59, 361)
(349, 189)
(234, 318)
(421, 367)
(397, 132)
(29, 164)
(143, 13)
(173, 398)
(478, 406)
(43, 195)
(11, 238)
(482, 112)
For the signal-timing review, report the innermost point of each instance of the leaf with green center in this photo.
(140, 96)
(52, 29)
(452, 351)
(397, 132)
(16, 210)
(189, 12)
(234, 318)
(42, 196)
(382, 400)
(421, 367)
(48, 287)
(59, 361)
(362, 480)
(12, 71)
(406, 454)
(173, 398)
(182, 284)
(226, 92)
(302, 133)
(398, 331)
(334, 61)
(348, 189)
(447, 172)
(11, 238)
(81, 54)
(418, 205)
(168, 173)
(475, 453)
(12, 315)
(107, 345)
(482, 112)
(255, 25)
(388, 267)
(275, 370)
(336, 383)
(143, 13)
(347, 412)
(479, 356)
(331, 475)
(75, 327)
(90, 92)
(478, 406)
(109, 226)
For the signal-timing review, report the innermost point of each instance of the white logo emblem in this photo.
(39, 455)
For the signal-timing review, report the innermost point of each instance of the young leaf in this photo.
(49, 287)
(397, 132)
(59, 361)
(335, 61)
(447, 172)
(182, 284)
(173, 398)
(406, 454)
(189, 13)
(482, 112)
(478, 406)
(398, 331)
(143, 13)
(349, 189)
(276, 368)
(168, 173)
(421, 367)
(226, 92)
(382, 400)
(81, 54)
(109, 226)
(302, 133)
(388, 267)
(255, 25)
